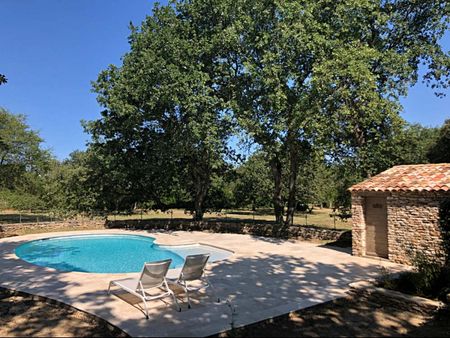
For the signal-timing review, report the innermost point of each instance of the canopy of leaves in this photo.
(165, 123)
(253, 187)
(440, 151)
(21, 155)
(3, 79)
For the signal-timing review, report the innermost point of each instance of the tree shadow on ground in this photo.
(256, 287)
(437, 326)
(22, 314)
(369, 316)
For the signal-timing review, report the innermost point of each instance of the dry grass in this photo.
(318, 217)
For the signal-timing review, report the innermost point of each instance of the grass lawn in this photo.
(318, 217)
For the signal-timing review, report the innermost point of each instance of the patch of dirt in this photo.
(349, 317)
(26, 315)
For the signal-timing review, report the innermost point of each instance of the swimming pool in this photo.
(108, 253)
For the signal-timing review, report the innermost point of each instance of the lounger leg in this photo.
(109, 288)
(176, 301)
(185, 287)
(146, 308)
(212, 289)
(173, 296)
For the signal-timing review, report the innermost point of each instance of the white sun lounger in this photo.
(153, 276)
(193, 270)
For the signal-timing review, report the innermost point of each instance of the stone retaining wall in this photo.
(7, 230)
(256, 229)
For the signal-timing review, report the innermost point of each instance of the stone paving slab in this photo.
(264, 278)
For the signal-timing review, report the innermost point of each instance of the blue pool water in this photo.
(106, 253)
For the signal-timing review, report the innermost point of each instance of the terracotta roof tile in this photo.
(416, 177)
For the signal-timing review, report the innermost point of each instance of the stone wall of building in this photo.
(413, 226)
(358, 226)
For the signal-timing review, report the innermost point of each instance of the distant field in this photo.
(318, 217)
(12, 216)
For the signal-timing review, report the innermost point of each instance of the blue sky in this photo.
(51, 50)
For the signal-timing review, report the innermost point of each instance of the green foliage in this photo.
(412, 143)
(328, 74)
(3, 79)
(221, 194)
(427, 273)
(428, 279)
(315, 84)
(440, 151)
(253, 183)
(21, 155)
(165, 122)
(23, 162)
(67, 187)
(20, 200)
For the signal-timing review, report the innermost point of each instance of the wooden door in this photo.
(376, 226)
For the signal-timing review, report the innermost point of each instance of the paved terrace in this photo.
(264, 278)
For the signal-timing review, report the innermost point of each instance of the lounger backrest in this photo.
(194, 266)
(153, 273)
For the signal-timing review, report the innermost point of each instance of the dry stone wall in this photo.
(257, 229)
(358, 226)
(7, 230)
(413, 226)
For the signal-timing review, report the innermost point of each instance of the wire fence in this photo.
(326, 218)
(30, 216)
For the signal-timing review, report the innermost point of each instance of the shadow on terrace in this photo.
(257, 287)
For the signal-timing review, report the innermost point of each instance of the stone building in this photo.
(396, 213)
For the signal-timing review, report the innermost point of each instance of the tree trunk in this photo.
(202, 182)
(198, 205)
(276, 167)
(292, 184)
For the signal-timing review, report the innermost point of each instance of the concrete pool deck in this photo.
(265, 277)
